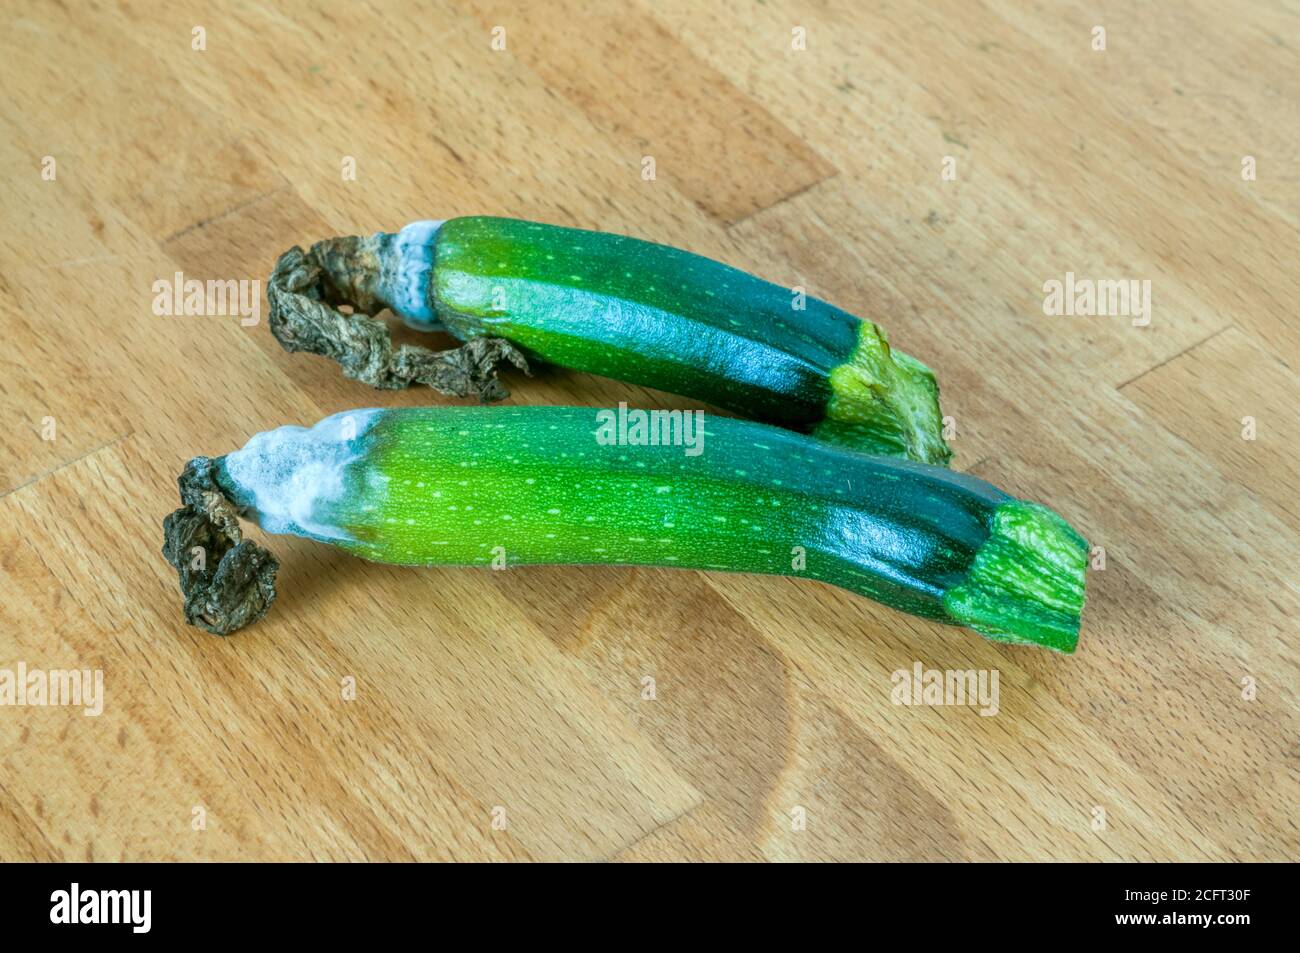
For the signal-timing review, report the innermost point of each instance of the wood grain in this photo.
(521, 697)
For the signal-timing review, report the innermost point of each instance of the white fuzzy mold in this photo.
(406, 269)
(286, 479)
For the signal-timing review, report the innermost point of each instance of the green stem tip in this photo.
(885, 402)
(1026, 585)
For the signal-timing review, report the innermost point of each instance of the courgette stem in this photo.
(509, 486)
(620, 307)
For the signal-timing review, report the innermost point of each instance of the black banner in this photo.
(216, 902)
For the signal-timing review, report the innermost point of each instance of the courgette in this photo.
(609, 305)
(510, 486)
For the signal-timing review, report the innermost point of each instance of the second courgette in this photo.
(508, 486)
(610, 305)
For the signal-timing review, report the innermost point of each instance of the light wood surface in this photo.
(521, 693)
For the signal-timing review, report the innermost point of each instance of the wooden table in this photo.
(928, 165)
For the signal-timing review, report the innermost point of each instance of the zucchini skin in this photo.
(539, 485)
(636, 311)
(669, 319)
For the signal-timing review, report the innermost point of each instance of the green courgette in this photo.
(615, 306)
(510, 486)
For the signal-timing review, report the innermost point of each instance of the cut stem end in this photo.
(885, 402)
(1026, 585)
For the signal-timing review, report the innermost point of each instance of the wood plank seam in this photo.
(233, 210)
(108, 445)
(1174, 357)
